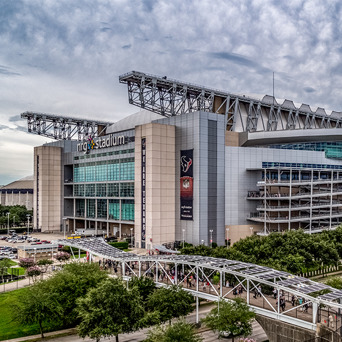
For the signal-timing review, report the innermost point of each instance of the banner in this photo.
(143, 192)
(186, 185)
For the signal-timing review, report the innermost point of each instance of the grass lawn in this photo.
(9, 328)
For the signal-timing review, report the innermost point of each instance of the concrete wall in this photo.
(277, 331)
(160, 183)
(47, 188)
(204, 133)
(237, 232)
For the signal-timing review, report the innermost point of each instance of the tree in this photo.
(4, 265)
(145, 286)
(63, 256)
(180, 331)
(44, 263)
(170, 302)
(37, 305)
(234, 317)
(26, 263)
(111, 309)
(33, 271)
(74, 281)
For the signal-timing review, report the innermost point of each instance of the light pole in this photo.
(8, 215)
(183, 237)
(64, 219)
(132, 237)
(227, 230)
(211, 238)
(28, 224)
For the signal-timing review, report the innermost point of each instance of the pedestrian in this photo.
(274, 293)
(259, 290)
(293, 300)
(331, 321)
(227, 283)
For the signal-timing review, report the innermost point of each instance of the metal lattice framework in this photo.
(245, 277)
(63, 128)
(243, 114)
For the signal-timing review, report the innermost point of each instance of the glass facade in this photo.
(111, 170)
(301, 165)
(332, 149)
(110, 183)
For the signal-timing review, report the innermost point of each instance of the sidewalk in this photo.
(47, 336)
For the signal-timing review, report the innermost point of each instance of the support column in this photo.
(139, 268)
(156, 271)
(176, 276)
(247, 291)
(314, 313)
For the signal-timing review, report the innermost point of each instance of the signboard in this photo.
(107, 141)
(143, 192)
(186, 185)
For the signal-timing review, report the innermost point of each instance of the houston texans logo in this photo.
(185, 164)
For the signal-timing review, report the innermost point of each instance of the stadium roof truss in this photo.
(63, 128)
(169, 97)
(245, 275)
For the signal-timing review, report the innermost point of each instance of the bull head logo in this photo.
(185, 164)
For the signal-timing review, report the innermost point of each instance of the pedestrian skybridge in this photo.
(275, 294)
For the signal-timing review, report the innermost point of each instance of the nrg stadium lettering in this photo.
(93, 144)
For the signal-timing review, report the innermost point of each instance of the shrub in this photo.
(33, 271)
(63, 256)
(26, 262)
(120, 245)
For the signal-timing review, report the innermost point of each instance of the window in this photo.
(101, 190)
(114, 170)
(78, 174)
(79, 190)
(127, 210)
(90, 190)
(113, 189)
(91, 208)
(80, 206)
(127, 190)
(101, 171)
(102, 208)
(127, 169)
(90, 172)
(114, 209)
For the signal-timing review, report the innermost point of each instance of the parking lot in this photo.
(9, 243)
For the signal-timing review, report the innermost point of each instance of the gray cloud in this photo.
(69, 54)
(7, 71)
(309, 89)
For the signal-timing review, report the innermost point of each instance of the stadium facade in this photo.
(204, 167)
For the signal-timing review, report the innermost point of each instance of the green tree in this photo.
(74, 281)
(145, 286)
(180, 331)
(170, 302)
(234, 317)
(335, 282)
(111, 309)
(37, 305)
(4, 265)
(44, 264)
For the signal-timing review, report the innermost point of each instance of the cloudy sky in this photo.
(64, 57)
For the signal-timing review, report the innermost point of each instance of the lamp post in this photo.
(28, 224)
(227, 230)
(183, 237)
(132, 237)
(211, 238)
(64, 219)
(8, 215)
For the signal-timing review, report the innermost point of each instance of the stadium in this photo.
(194, 164)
